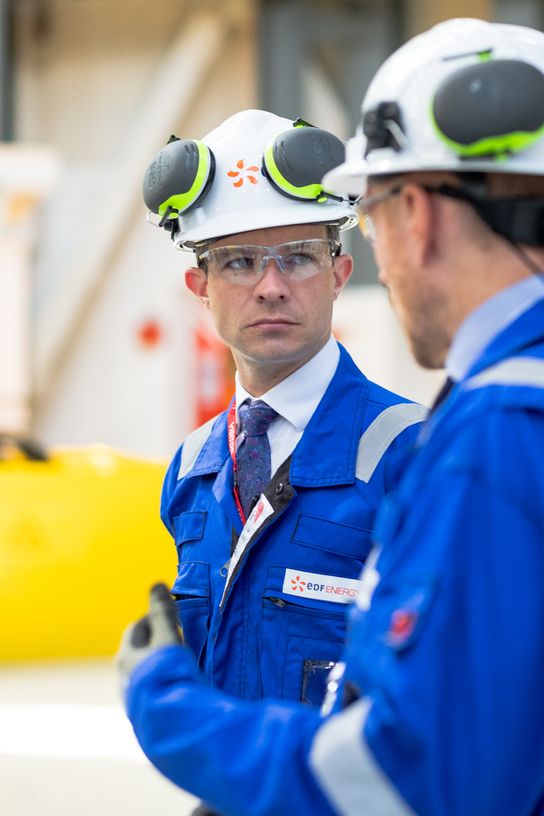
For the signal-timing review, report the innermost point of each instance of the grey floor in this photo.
(66, 748)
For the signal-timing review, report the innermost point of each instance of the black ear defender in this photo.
(178, 178)
(296, 160)
(492, 108)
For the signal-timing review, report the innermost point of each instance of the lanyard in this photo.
(231, 437)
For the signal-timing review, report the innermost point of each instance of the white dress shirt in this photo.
(294, 399)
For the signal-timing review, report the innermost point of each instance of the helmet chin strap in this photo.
(527, 261)
(519, 220)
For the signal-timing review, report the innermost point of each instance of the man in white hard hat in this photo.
(439, 709)
(271, 542)
(268, 562)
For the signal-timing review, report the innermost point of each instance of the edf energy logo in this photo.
(243, 173)
(298, 583)
(320, 587)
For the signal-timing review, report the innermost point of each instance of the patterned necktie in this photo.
(253, 455)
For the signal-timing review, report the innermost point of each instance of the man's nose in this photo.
(273, 283)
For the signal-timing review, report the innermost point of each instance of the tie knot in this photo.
(255, 417)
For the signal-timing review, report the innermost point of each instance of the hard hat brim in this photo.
(348, 178)
(264, 218)
(351, 177)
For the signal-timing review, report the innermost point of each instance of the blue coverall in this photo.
(442, 710)
(273, 621)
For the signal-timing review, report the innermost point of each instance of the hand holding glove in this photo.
(158, 628)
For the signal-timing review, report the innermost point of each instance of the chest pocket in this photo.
(191, 593)
(191, 589)
(189, 528)
(334, 538)
(303, 636)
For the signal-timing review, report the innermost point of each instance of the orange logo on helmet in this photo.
(243, 173)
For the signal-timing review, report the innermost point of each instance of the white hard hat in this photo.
(465, 96)
(255, 170)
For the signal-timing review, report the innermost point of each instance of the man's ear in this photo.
(419, 220)
(197, 283)
(342, 269)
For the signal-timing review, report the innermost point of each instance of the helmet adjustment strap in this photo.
(519, 220)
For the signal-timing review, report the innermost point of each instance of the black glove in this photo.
(158, 628)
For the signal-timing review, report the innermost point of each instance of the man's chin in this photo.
(272, 353)
(427, 358)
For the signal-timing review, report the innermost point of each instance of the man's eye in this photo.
(300, 258)
(239, 264)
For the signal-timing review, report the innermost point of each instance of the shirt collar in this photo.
(487, 321)
(297, 396)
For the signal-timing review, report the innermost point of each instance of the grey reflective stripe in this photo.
(381, 432)
(346, 771)
(515, 371)
(193, 445)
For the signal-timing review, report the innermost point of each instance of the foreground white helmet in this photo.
(255, 170)
(465, 96)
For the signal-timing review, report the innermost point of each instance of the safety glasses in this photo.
(246, 264)
(364, 206)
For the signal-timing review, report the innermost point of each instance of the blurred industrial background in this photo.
(106, 362)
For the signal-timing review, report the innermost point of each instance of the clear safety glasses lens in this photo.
(367, 228)
(246, 264)
(364, 206)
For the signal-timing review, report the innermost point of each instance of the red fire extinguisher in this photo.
(215, 375)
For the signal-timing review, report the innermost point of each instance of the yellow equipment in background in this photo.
(81, 541)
